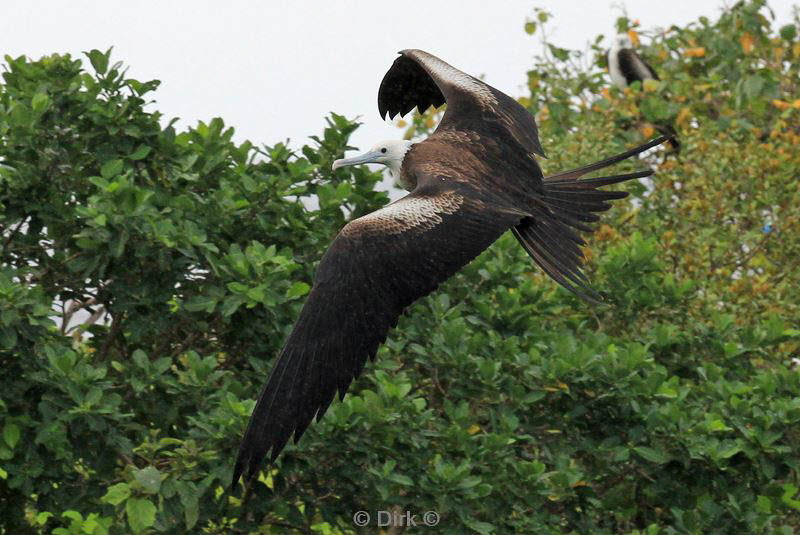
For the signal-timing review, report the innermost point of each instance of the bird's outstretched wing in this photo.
(376, 267)
(420, 79)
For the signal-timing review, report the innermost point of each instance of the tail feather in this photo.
(669, 131)
(585, 205)
(572, 174)
(591, 183)
(565, 206)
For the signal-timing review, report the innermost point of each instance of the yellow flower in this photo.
(696, 52)
(683, 116)
(747, 42)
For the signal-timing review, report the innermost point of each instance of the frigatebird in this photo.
(472, 180)
(625, 67)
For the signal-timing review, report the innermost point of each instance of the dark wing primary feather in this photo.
(406, 85)
(377, 266)
(420, 79)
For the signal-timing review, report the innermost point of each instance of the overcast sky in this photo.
(274, 70)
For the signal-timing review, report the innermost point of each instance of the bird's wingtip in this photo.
(661, 139)
(237, 473)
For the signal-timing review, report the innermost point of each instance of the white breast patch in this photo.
(614, 70)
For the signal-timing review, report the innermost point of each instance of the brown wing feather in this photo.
(377, 266)
(420, 79)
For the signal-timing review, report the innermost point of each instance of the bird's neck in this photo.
(400, 173)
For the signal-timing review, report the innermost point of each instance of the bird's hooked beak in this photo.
(367, 157)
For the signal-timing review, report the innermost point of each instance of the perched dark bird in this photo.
(472, 180)
(624, 64)
(626, 67)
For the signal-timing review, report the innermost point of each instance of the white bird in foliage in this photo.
(472, 180)
(625, 67)
(624, 64)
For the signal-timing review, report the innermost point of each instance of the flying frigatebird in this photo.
(471, 180)
(625, 67)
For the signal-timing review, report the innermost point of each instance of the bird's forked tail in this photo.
(566, 207)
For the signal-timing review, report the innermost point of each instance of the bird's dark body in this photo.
(473, 179)
(633, 68)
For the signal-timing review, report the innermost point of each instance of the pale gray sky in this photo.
(273, 70)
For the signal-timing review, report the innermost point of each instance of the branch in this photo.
(13, 232)
(96, 315)
(73, 308)
(116, 322)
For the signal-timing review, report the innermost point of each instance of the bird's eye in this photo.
(383, 150)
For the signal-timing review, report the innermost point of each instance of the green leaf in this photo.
(99, 60)
(191, 513)
(789, 491)
(561, 54)
(718, 425)
(41, 518)
(788, 32)
(73, 515)
(111, 168)
(116, 494)
(139, 358)
(200, 303)
(297, 289)
(651, 455)
(256, 293)
(231, 305)
(40, 102)
(149, 478)
(484, 528)
(141, 514)
(729, 452)
(401, 479)
(142, 152)
(11, 434)
(753, 86)
(666, 391)
(8, 338)
(21, 115)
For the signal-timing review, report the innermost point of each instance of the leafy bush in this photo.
(149, 276)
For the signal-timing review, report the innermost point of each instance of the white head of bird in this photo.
(389, 153)
(621, 41)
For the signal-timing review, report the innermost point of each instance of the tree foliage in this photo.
(150, 275)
